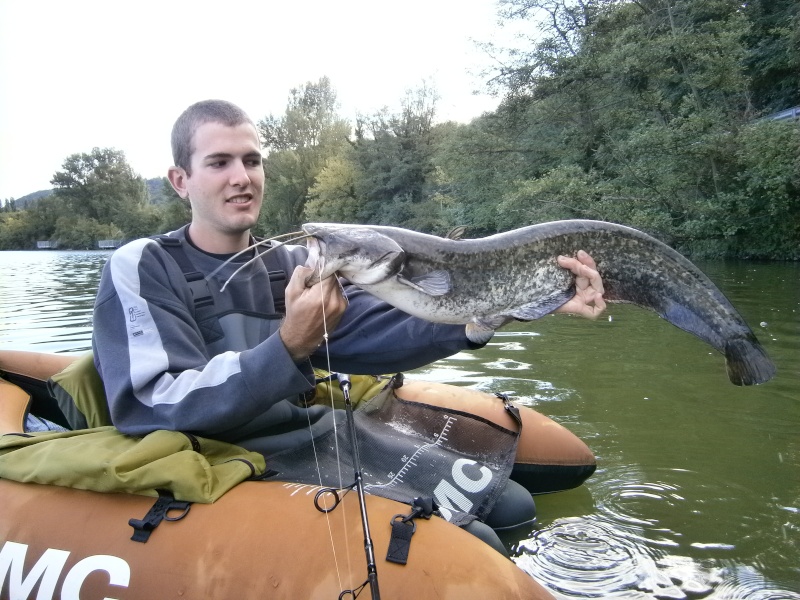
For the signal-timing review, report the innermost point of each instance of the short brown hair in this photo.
(199, 113)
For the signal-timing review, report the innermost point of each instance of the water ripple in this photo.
(624, 550)
(745, 583)
(586, 558)
(46, 299)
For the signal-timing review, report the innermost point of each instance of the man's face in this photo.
(226, 184)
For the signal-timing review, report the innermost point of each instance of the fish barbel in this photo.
(484, 283)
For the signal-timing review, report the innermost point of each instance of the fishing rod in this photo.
(369, 550)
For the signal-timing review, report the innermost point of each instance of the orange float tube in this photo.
(261, 539)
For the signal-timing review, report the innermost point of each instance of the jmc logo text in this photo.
(47, 571)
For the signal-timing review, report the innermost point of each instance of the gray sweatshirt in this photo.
(231, 377)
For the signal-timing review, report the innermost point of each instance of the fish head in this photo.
(359, 254)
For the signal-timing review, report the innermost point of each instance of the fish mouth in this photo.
(315, 260)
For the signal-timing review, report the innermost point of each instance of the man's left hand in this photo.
(588, 299)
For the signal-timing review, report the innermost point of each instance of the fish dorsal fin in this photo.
(435, 283)
(456, 233)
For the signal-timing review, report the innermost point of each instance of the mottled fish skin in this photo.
(515, 275)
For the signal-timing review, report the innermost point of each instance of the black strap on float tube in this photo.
(369, 550)
(403, 527)
(512, 409)
(194, 278)
(142, 528)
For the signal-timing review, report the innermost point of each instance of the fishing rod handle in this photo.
(372, 577)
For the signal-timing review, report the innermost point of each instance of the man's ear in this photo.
(177, 177)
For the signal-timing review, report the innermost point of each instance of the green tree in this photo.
(477, 165)
(299, 143)
(23, 228)
(773, 53)
(16, 231)
(758, 213)
(563, 193)
(102, 186)
(333, 196)
(81, 233)
(395, 157)
(174, 210)
(638, 112)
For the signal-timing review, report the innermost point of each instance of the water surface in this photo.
(697, 492)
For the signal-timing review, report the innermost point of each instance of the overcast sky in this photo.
(79, 74)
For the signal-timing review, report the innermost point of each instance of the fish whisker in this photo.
(250, 247)
(298, 235)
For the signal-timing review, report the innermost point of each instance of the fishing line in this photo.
(337, 499)
(345, 385)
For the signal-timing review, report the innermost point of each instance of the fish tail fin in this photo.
(747, 362)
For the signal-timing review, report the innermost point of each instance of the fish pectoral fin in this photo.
(481, 329)
(542, 306)
(435, 283)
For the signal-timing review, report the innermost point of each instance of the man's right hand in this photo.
(310, 312)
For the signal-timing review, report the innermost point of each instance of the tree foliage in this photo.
(644, 113)
(299, 143)
(96, 196)
(100, 185)
(395, 152)
(651, 113)
(333, 196)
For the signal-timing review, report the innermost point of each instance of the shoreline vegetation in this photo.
(655, 114)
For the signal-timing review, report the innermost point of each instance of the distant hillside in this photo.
(23, 202)
(154, 192)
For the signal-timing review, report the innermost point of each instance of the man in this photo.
(237, 374)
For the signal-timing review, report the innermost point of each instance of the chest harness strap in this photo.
(203, 300)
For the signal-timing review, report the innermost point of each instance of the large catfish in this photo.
(487, 282)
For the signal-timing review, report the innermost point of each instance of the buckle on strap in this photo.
(511, 409)
(142, 528)
(199, 288)
(403, 527)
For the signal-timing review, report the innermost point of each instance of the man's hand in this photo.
(310, 312)
(588, 299)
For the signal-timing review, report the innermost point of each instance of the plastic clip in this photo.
(403, 527)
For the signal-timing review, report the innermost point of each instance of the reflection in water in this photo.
(697, 491)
